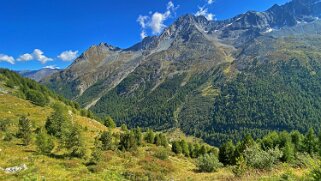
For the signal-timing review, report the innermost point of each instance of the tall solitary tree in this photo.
(24, 131)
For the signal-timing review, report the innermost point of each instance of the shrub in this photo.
(37, 98)
(208, 163)
(316, 174)
(4, 124)
(240, 167)
(109, 122)
(8, 136)
(260, 159)
(161, 154)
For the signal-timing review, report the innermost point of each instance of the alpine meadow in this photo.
(224, 93)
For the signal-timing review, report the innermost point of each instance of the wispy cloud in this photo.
(51, 67)
(7, 58)
(37, 54)
(155, 22)
(202, 11)
(68, 55)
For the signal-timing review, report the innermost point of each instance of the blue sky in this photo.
(40, 33)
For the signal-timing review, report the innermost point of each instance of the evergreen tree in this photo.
(138, 136)
(310, 142)
(4, 124)
(59, 121)
(74, 142)
(157, 140)
(109, 122)
(24, 130)
(288, 151)
(163, 140)
(297, 139)
(128, 141)
(96, 151)
(106, 139)
(176, 147)
(226, 153)
(202, 150)
(44, 143)
(150, 136)
(185, 149)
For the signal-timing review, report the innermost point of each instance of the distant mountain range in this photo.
(217, 80)
(38, 75)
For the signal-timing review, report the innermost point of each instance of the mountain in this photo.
(38, 75)
(217, 80)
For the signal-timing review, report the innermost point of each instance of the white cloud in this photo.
(25, 57)
(68, 55)
(156, 20)
(38, 55)
(35, 55)
(204, 12)
(51, 67)
(210, 1)
(7, 58)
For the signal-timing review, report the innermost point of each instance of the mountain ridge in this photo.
(177, 78)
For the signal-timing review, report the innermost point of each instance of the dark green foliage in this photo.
(163, 140)
(44, 142)
(184, 147)
(37, 98)
(208, 163)
(157, 140)
(4, 124)
(240, 166)
(128, 141)
(124, 127)
(150, 136)
(96, 152)
(106, 139)
(316, 174)
(59, 121)
(310, 142)
(35, 92)
(8, 136)
(176, 147)
(227, 153)
(73, 142)
(109, 122)
(139, 136)
(24, 130)
(288, 152)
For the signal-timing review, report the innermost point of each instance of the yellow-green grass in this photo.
(114, 164)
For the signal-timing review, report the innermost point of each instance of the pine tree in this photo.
(106, 139)
(96, 151)
(138, 136)
(163, 140)
(44, 143)
(185, 149)
(226, 153)
(109, 122)
(176, 147)
(150, 136)
(288, 151)
(58, 122)
(157, 140)
(74, 143)
(310, 142)
(24, 131)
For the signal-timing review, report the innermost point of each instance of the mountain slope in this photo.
(214, 79)
(38, 75)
